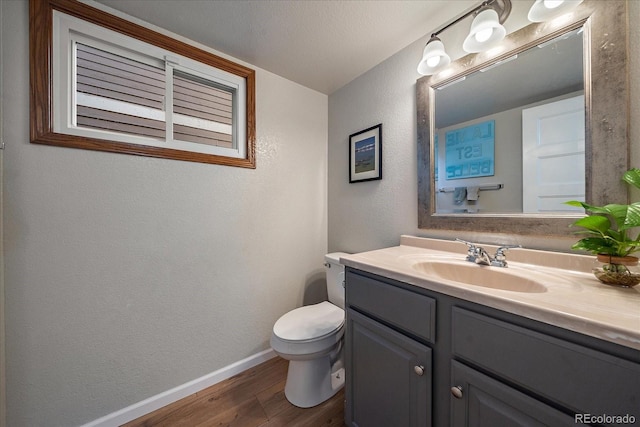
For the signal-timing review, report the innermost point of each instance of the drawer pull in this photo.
(457, 392)
(419, 369)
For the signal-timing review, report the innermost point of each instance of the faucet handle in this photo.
(500, 259)
(472, 252)
(502, 249)
(471, 245)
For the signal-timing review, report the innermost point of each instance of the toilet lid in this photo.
(309, 322)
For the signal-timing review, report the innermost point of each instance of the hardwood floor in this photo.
(253, 398)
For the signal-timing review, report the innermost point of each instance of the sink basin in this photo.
(480, 275)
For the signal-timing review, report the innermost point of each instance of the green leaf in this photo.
(633, 216)
(618, 212)
(596, 223)
(574, 203)
(607, 210)
(632, 176)
(618, 236)
(596, 245)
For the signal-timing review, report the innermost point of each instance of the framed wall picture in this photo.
(365, 155)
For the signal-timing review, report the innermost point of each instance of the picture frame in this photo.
(365, 155)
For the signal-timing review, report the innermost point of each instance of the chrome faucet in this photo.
(479, 255)
(482, 257)
(476, 253)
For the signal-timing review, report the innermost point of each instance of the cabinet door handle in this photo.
(419, 369)
(457, 391)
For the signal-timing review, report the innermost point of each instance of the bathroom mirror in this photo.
(489, 196)
(483, 162)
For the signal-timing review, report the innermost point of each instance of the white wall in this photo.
(370, 215)
(126, 276)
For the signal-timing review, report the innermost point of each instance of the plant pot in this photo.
(615, 271)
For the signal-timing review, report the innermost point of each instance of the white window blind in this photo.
(203, 111)
(124, 95)
(116, 88)
(119, 94)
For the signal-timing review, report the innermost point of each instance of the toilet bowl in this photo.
(310, 337)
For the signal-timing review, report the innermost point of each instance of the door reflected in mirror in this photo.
(510, 138)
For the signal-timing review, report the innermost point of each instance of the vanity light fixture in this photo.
(486, 31)
(544, 10)
(434, 57)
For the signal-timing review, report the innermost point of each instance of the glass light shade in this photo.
(544, 10)
(552, 4)
(434, 58)
(484, 35)
(486, 31)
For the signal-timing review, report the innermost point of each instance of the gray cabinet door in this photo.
(388, 376)
(484, 402)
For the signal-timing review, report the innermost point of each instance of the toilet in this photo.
(310, 338)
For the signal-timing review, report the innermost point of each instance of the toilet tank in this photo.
(335, 278)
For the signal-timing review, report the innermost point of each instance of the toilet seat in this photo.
(309, 323)
(308, 332)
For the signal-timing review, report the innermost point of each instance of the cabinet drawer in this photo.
(409, 311)
(579, 378)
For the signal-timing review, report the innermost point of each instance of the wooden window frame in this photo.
(41, 90)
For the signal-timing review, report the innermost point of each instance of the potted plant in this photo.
(608, 234)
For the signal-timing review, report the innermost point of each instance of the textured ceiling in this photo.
(320, 44)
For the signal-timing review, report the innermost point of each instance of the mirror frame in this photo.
(606, 109)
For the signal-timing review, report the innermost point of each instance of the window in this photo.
(120, 87)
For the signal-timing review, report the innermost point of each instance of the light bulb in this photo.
(486, 31)
(434, 57)
(433, 61)
(484, 35)
(552, 4)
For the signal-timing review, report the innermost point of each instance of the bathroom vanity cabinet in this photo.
(415, 357)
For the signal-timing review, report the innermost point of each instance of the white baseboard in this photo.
(158, 401)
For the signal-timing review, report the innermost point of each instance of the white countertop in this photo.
(574, 299)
